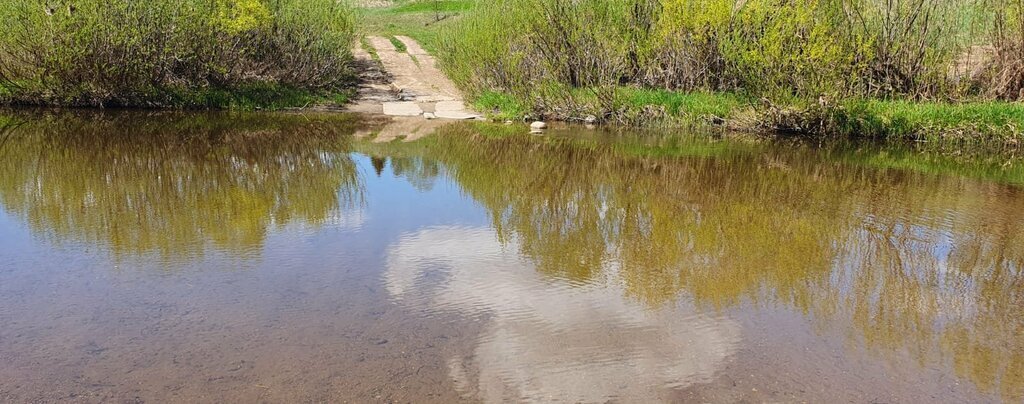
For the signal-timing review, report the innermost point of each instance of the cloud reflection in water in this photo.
(548, 339)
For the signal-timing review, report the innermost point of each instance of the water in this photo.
(174, 257)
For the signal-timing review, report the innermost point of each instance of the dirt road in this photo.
(410, 84)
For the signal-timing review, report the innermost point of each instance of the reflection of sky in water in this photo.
(895, 273)
(548, 340)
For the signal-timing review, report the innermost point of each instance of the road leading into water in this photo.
(412, 85)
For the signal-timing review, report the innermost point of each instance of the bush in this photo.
(785, 49)
(686, 52)
(789, 51)
(125, 52)
(1007, 80)
(540, 50)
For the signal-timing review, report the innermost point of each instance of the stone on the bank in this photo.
(538, 125)
(429, 115)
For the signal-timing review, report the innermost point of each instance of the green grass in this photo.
(265, 96)
(399, 45)
(430, 6)
(975, 121)
(243, 97)
(680, 106)
(365, 44)
(698, 104)
(500, 106)
(415, 19)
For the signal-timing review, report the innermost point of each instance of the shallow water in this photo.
(171, 257)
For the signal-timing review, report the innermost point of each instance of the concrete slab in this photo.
(365, 107)
(453, 105)
(406, 108)
(456, 115)
(453, 110)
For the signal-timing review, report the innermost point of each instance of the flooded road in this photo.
(172, 257)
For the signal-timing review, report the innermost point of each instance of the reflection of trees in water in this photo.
(169, 183)
(419, 172)
(918, 264)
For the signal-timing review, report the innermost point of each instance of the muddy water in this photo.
(295, 258)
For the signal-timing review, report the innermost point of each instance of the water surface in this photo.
(172, 257)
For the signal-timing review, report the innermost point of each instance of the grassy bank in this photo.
(175, 53)
(919, 69)
(969, 122)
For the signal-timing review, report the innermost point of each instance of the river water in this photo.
(227, 257)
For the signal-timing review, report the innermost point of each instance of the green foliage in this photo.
(399, 45)
(502, 106)
(420, 6)
(1006, 79)
(781, 49)
(623, 60)
(248, 97)
(698, 104)
(239, 16)
(68, 53)
(791, 49)
(981, 122)
(419, 19)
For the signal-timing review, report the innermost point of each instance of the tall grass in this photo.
(566, 58)
(126, 52)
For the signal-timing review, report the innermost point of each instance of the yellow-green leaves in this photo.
(238, 16)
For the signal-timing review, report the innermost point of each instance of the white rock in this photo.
(429, 115)
(538, 125)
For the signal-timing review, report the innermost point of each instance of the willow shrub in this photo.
(791, 51)
(127, 52)
(686, 52)
(785, 49)
(541, 50)
(1006, 79)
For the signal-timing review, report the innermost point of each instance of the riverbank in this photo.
(804, 68)
(640, 72)
(988, 122)
(248, 97)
